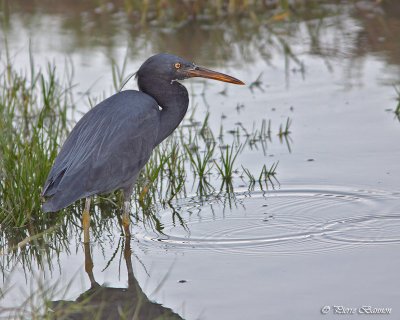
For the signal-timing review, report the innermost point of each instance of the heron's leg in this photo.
(143, 193)
(127, 209)
(132, 282)
(125, 218)
(86, 221)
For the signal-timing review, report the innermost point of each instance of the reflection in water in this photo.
(294, 221)
(88, 28)
(101, 302)
(380, 30)
(207, 37)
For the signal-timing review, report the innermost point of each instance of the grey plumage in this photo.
(114, 138)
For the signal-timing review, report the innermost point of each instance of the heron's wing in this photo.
(105, 150)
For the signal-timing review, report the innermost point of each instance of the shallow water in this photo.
(287, 221)
(327, 235)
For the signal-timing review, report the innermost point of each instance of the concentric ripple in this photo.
(293, 220)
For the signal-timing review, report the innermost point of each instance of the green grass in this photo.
(33, 122)
(226, 161)
(201, 161)
(266, 177)
(285, 130)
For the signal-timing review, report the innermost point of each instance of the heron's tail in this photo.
(53, 204)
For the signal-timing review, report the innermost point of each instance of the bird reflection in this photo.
(101, 302)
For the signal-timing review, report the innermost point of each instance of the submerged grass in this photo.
(285, 130)
(266, 178)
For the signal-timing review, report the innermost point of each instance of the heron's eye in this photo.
(177, 65)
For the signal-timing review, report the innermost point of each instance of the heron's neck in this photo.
(172, 98)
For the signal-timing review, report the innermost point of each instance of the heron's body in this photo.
(112, 142)
(126, 133)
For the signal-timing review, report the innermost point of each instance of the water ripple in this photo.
(288, 221)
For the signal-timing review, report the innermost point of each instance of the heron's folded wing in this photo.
(108, 146)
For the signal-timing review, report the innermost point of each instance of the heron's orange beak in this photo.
(206, 73)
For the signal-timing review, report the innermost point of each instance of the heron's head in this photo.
(170, 68)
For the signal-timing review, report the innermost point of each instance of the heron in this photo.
(112, 142)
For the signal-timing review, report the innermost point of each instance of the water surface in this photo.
(327, 235)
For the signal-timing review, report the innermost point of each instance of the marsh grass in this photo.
(33, 123)
(285, 130)
(284, 134)
(225, 165)
(266, 178)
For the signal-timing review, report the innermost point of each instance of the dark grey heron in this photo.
(113, 141)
